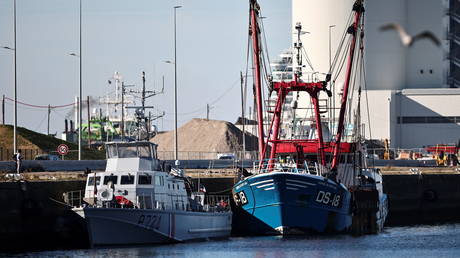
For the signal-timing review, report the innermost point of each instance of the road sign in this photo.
(62, 149)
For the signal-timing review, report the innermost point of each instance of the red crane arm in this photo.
(359, 9)
(254, 32)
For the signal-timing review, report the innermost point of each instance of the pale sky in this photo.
(131, 37)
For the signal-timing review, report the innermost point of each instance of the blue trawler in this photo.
(312, 181)
(290, 203)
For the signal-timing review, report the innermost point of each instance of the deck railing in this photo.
(212, 203)
(287, 166)
(74, 198)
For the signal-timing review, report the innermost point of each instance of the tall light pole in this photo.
(79, 99)
(330, 64)
(330, 28)
(15, 137)
(176, 155)
(79, 108)
(79, 89)
(15, 143)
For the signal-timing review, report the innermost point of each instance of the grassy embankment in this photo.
(30, 140)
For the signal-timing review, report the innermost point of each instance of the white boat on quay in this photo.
(136, 201)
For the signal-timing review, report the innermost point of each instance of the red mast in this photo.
(358, 8)
(283, 88)
(254, 32)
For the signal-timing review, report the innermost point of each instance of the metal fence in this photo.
(399, 153)
(200, 155)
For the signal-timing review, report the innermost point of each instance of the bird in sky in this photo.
(406, 39)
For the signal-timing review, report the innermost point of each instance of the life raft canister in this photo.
(123, 201)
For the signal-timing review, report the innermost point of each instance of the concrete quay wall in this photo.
(31, 216)
(422, 198)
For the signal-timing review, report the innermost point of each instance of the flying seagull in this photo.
(406, 39)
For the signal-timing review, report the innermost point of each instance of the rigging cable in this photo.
(343, 60)
(307, 58)
(342, 40)
(353, 81)
(367, 103)
(265, 45)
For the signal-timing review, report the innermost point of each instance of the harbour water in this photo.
(416, 241)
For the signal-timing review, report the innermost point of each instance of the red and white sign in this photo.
(62, 149)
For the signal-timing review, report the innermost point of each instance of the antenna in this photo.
(143, 123)
(298, 47)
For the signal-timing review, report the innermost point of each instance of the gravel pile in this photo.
(201, 135)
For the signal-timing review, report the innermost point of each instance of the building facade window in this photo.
(428, 119)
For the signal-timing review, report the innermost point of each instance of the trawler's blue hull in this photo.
(290, 203)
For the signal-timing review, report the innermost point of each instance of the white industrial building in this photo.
(413, 93)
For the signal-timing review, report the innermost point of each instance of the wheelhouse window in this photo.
(91, 180)
(157, 180)
(131, 150)
(112, 178)
(127, 152)
(144, 151)
(111, 151)
(145, 180)
(127, 180)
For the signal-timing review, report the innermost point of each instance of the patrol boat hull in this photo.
(290, 203)
(114, 226)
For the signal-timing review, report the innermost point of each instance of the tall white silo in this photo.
(389, 64)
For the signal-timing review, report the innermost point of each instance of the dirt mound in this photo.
(201, 135)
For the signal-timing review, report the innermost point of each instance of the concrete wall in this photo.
(443, 102)
(379, 113)
(386, 107)
(429, 103)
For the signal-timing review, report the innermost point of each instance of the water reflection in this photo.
(424, 241)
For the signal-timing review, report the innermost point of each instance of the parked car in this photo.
(47, 157)
(225, 156)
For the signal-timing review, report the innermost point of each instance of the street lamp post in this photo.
(79, 88)
(15, 125)
(176, 156)
(79, 118)
(330, 64)
(79, 99)
(15, 141)
(15, 99)
(330, 28)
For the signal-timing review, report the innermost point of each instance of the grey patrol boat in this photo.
(135, 201)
